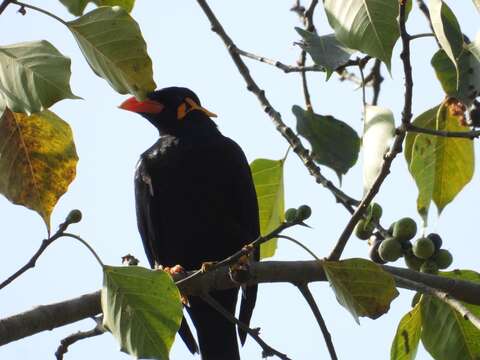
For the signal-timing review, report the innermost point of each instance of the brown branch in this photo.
(443, 296)
(267, 349)
(321, 322)
(397, 144)
(377, 80)
(51, 316)
(274, 115)
(451, 134)
(80, 335)
(33, 260)
(4, 5)
(48, 317)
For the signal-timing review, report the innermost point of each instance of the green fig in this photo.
(73, 217)
(443, 258)
(304, 212)
(364, 230)
(429, 267)
(436, 239)
(291, 215)
(423, 248)
(405, 229)
(413, 262)
(390, 249)
(375, 211)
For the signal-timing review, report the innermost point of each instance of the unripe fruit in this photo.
(376, 211)
(291, 215)
(429, 267)
(304, 212)
(390, 249)
(73, 217)
(413, 262)
(364, 230)
(436, 239)
(373, 252)
(405, 229)
(443, 258)
(423, 248)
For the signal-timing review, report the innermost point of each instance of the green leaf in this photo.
(268, 179)
(446, 334)
(378, 132)
(467, 87)
(77, 7)
(334, 143)
(37, 160)
(440, 166)
(369, 25)
(33, 76)
(447, 30)
(361, 286)
(142, 309)
(325, 50)
(113, 45)
(405, 342)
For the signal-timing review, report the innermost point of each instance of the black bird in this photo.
(195, 203)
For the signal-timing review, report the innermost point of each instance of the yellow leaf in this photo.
(37, 160)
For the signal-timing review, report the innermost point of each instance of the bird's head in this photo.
(171, 110)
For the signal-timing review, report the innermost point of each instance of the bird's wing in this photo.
(143, 201)
(248, 216)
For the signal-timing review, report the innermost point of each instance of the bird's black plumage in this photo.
(196, 202)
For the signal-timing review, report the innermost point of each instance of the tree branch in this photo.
(4, 5)
(316, 311)
(267, 349)
(451, 134)
(397, 144)
(70, 340)
(51, 316)
(443, 296)
(274, 115)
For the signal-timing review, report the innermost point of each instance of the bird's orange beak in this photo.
(146, 107)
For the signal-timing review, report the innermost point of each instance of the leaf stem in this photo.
(299, 244)
(76, 237)
(28, 6)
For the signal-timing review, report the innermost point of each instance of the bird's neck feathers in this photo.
(195, 124)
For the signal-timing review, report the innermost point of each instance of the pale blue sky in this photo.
(186, 53)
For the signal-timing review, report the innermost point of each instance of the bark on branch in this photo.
(48, 317)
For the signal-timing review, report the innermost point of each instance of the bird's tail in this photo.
(246, 309)
(187, 337)
(216, 335)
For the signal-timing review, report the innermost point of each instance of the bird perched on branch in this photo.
(196, 203)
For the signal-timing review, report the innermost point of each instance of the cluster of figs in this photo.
(423, 254)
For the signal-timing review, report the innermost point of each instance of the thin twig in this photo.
(286, 68)
(443, 296)
(33, 260)
(28, 6)
(80, 335)
(364, 96)
(451, 134)
(267, 349)
(299, 244)
(232, 259)
(321, 322)
(309, 26)
(377, 80)
(4, 5)
(418, 36)
(424, 9)
(297, 146)
(397, 144)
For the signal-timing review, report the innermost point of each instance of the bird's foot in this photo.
(174, 270)
(240, 271)
(206, 266)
